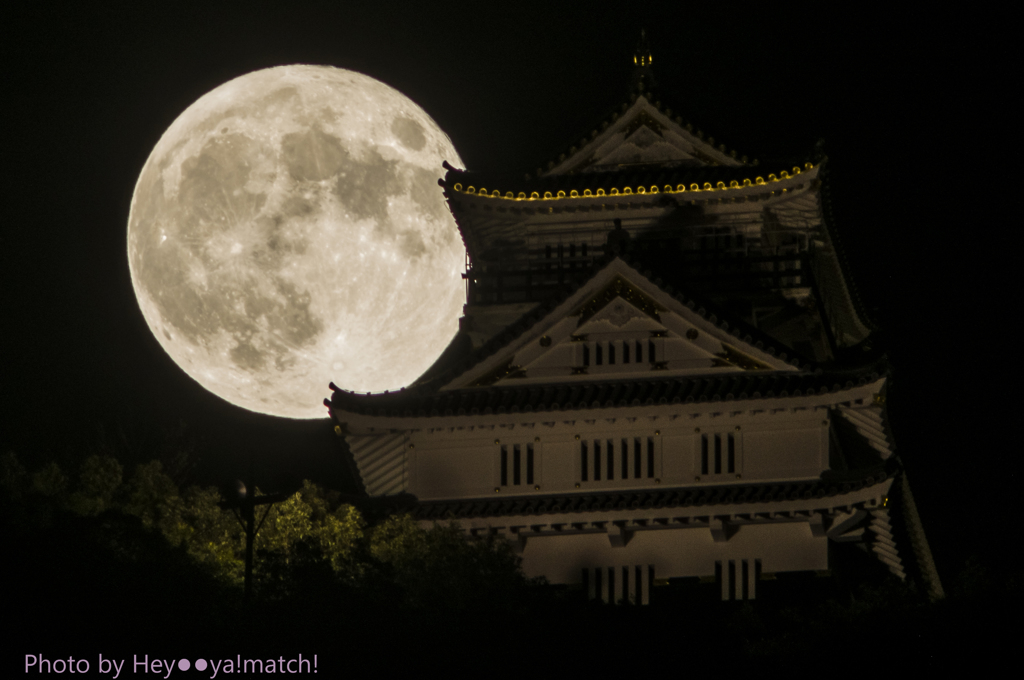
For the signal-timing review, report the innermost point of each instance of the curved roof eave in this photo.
(864, 315)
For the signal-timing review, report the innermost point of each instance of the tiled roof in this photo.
(507, 398)
(651, 498)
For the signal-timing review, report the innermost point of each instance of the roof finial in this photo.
(642, 56)
(643, 78)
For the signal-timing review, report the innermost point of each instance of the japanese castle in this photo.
(663, 371)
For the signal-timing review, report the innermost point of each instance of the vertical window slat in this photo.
(650, 580)
(529, 463)
(639, 584)
(744, 593)
(624, 454)
(584, 463)
(516, 461)
(718, 454)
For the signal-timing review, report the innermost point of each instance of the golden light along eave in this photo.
(640, 189)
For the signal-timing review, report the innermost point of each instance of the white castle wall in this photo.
(750, 448)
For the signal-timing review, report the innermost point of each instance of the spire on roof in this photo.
(642, 75)
(642, 55)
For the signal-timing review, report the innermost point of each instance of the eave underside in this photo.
(789, 497)
(415, 409)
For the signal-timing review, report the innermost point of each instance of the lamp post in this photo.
(243, 503)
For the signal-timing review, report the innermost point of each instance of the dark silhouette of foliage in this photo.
(126, 552)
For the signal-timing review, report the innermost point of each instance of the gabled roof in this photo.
(481, 382)
(757, 343)
(619, 303)
(643, 132)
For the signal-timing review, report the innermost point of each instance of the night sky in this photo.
(88, 92)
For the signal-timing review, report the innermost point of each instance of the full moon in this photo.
(288, 230)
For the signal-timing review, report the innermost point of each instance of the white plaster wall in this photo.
(455, 463)
(678, 458)
(559, 465)
(775, 454)
(453, 473)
